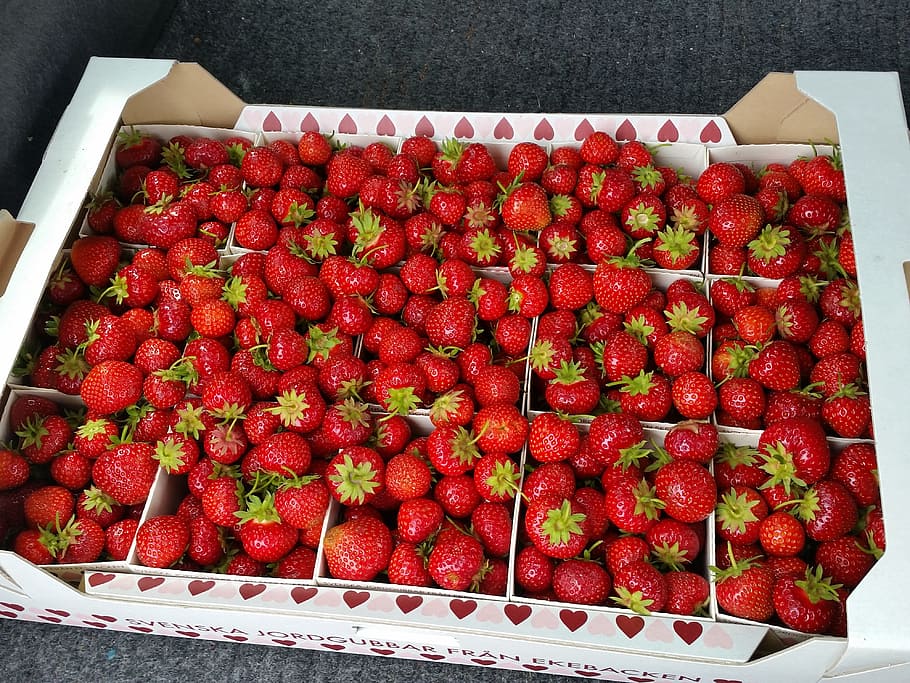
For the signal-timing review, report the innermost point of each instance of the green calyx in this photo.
(354, 482)
(771, 243)
(561, 523)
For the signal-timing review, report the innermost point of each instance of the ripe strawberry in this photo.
(263, 534)
(847, 412)
(581, 582)
(492, 524)
(162, 540)
(856, 468)
(47, 505)
(620, 283)
(111, 386)
(845, 560)
(455, 560)
(795, 452)
(355, 475)
(554, 526)
(745, 589)
(739, 514)
(692, 440)
(95, 259)
(719, 181)
(806, 604)
(694, 395)
(126, 472)
(688, 593)
(827, 510)
(736, 220)
(781, 534)
(358, 549)
(14, 470)
(524, 206)
(685, 488)
(639, 586)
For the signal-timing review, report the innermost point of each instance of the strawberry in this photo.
(263, 534)
(694, 395)
(111, 386)
(776, 252)
(639, 586)
(492, 524)
(95, 259)
(719, 181)
(781, 534)
(581, 582)
(355, 475)
(739, 514)
(855, 467)
(14, 470)
(524, 206)
(570, 391)
(827, 510)
(795, 452)
(79, 541)
(631, 502)
(744, 589)
(552, 437)
(135, 147)
(688, 593)
(845, 560)
(126, 472)
(742, 399)
(692, 440)
(823, 176)
(736, 220)
(806, 604)
(47, 505)
(687, 490)
(454, 561)
(620, 283)
(847, 412)
(756, 324)
(162, 540)
(358, 549)
(554, 526)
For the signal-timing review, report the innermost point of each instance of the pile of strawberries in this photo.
(427, 355)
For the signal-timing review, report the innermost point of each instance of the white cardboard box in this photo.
(870, 126)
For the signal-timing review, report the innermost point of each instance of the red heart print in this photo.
(248, 591)
(100, 579)
(689, 631)
(484, 662)
(332, 646)
(668, 132)
(286, 643)
(503, 130)
(347, 125)
(583, 130)
(300, 594)
(629, 625)
(95, 624)
(424, 127)
(543, 130)
(432, 657)
(385, 126)
(462, 608)
(408, 603)
(309, 123)
(188, 634)
(382, 652)
(271, 122)
(517, 613)
(710, 133)
(464, 129)
(13, 605)
(147, 583)
(103, 617)
(196, 587)
(573, 619)
(236, 639)
(354, 598)
(626, 131)
(534, 667)
(141, 629)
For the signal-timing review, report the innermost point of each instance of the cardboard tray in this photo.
(789, 108)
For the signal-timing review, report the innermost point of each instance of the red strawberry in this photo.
(355, 475)
(687, 490)
(639, 586)
(455, 560)
(744, 589)
(358, 549)
(162, 540)
(736, 220)
(719, 181)
(263, 534)
(581, 582)
(806, 604)
(795, 452)
(110, 386)
(525, 207)
(620, 284)
(95, 259)
(126, 472)
(688, 593)
(554, 526)
(135, 147)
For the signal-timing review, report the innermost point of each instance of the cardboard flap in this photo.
(188, 94)
(13, 237)
(775, 110)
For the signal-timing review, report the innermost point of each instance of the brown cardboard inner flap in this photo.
(13, 238)
(188, 94)
(776, 111)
